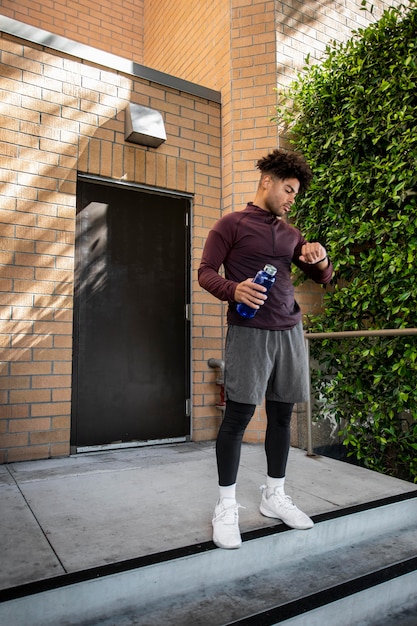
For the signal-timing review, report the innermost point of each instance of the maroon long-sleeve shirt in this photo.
(243, 242)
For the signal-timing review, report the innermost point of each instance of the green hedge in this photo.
(354, 117)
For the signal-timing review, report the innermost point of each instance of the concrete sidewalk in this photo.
(70, 514)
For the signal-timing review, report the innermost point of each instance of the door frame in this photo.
(120, 184)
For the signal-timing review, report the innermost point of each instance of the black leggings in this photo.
(277, 440)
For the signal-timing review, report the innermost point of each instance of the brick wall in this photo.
(60, 116)
(115, 26)
(244, 48)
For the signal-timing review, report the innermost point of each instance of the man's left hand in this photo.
(313, 254)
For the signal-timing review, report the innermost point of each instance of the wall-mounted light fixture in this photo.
(144, 126)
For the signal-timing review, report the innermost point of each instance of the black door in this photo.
(131, 366)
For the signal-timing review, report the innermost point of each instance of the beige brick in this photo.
(58, 328)
(63, 315)
(5, 285)
(34, 287)
(5, 340)
(29, 453)
(49, 436)
(52, 355)
(15, 382)
(13, 440)
(63, 341)
(16, 326)
(29, 340)
(57, 249)
(41, 301)
(50, 382)
(63, 422)
(50, 409)
(30, 368)
(15, 355)
(60, 449)
(27, 313)
(28, 425)
(28, 396)
(62, 367)
(61, 395)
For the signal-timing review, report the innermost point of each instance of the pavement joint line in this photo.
(44, 533)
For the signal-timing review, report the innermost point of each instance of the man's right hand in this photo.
(250, 293)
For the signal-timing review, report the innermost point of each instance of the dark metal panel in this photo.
(132, 341)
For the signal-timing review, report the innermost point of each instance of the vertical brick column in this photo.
(39, 146)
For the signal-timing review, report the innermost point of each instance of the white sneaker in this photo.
(283, 508)
(225, 522)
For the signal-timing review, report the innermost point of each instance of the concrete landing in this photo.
(70, 514)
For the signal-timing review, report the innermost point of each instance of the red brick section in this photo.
(115, 26)
(61, 116)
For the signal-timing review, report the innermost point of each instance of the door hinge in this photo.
(188, 312)
(188, 407)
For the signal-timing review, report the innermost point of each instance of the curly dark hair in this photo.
(282, 164)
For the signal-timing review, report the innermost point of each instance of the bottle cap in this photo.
(270, 269)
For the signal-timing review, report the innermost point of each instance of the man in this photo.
(264, 355)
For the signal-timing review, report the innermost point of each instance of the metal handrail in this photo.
(341, 335)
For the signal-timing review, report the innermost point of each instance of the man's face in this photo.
(279, 195)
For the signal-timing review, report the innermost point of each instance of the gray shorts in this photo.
(268, 364)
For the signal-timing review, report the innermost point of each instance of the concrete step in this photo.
(355, 564)
(386, 597)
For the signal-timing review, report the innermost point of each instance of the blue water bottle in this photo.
(265, 277)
